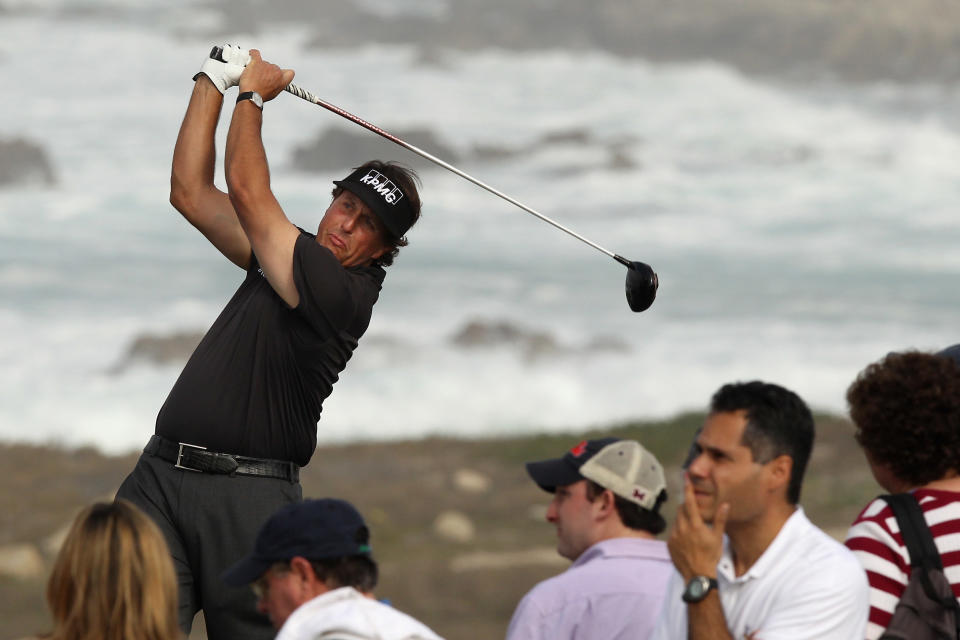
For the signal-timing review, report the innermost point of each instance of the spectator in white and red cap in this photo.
(606, 509)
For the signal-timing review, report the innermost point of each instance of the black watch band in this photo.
(253, 97)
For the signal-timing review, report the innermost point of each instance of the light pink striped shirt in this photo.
(875, 539)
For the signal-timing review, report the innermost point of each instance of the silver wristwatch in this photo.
(253, 97)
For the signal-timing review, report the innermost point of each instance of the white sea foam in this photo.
(799, 233)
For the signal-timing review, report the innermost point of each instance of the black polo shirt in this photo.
(256, 383)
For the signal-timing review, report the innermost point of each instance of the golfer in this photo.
(242, 418)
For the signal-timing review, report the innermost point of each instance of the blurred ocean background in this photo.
(803, 218)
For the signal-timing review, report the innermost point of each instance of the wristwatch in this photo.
(698, 588)
(253, 97)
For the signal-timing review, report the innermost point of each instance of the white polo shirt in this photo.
(346, 614)
(805, 586)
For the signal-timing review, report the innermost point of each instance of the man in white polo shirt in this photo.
(749, 564)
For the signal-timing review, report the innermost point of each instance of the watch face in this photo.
(697, 589)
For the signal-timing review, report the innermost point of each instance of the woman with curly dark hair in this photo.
(906, 409)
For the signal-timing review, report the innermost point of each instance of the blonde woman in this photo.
(113, 579)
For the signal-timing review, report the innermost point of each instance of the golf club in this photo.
(641, 283)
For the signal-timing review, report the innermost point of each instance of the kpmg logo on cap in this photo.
(383, 186)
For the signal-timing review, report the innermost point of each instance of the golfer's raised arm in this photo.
(270, 233)
(192, 191)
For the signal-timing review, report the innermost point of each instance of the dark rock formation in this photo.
(338, 149)
(860, 41)
(530, 343)
(24, 162)
(159, 349)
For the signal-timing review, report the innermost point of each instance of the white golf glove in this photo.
(224, 65)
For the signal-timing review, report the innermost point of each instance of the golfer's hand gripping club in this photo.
(224, 65)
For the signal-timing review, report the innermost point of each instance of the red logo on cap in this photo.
(639, 495)
(579, 450)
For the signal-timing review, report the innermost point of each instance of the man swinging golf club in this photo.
(242, 417)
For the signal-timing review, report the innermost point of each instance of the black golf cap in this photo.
(312, 529)
(558, 472)
(387, 200)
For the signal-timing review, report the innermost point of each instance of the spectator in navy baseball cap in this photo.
(312, 571)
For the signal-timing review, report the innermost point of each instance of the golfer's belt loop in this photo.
(180, 456)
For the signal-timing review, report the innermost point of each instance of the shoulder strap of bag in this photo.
(920, 545)
(916, 534)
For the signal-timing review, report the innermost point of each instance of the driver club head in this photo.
(641, 286)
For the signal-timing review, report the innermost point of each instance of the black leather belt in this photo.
(195, 458)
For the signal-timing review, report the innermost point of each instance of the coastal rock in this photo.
(336, 148)
(159, 349)
(531, 344)
(609, 343)
(23, 162)
(619, 158)
(454, 526)
(22, 561)
(470, 481)
(482, 334)
(862, 41)
(52, 543)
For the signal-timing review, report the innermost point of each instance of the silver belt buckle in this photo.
(180, 455)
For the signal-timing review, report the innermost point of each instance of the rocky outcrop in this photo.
(532, 344)
(482, 334)
(24, 163)
(454, 526)
(22, 561)
(471, 481)
(861, 41)
(336, 149)
(158, 350)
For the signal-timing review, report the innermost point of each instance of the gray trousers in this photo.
(210, 521)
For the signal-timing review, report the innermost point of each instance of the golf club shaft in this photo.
(309, 97)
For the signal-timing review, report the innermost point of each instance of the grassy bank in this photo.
(457, 525)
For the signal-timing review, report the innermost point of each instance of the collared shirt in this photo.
(805, 586)
(612, 592)
(346, 613)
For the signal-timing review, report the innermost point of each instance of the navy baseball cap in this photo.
(558, 472)
(312, 529)
(384, 197)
